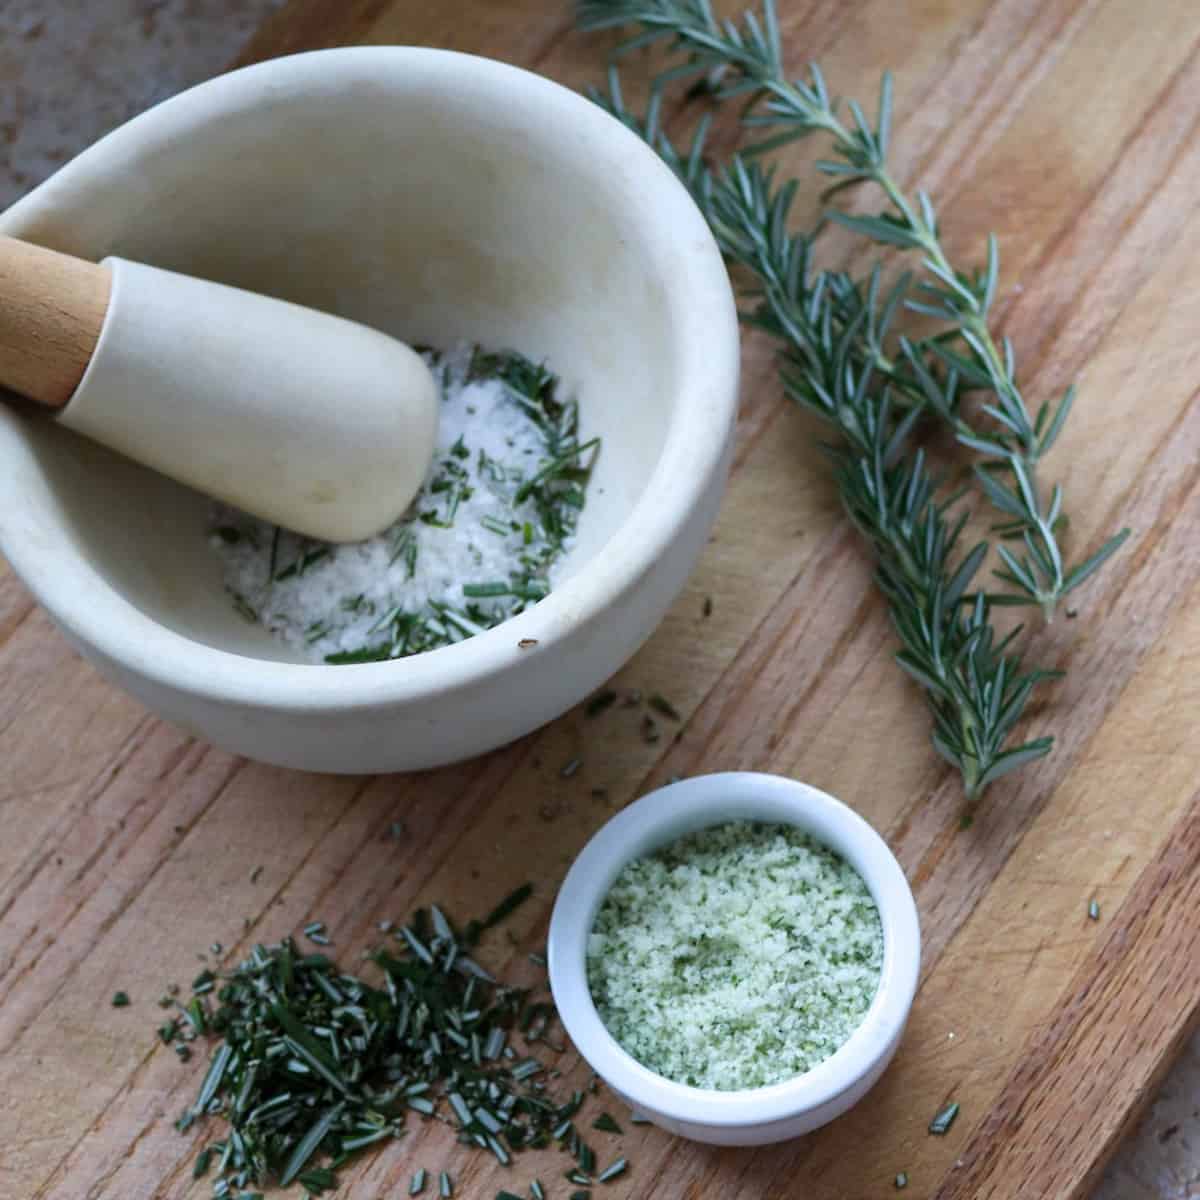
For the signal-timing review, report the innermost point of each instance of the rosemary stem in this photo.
(918, 580)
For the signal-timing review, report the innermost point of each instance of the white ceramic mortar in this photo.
(440, 198)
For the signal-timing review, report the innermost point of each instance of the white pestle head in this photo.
(305, 419)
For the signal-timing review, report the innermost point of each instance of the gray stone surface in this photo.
(70, 70)
(1161, 1161)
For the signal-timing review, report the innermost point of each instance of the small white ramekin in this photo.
(754, 1116)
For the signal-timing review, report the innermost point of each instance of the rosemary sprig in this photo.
(841, 362)
(743, 58)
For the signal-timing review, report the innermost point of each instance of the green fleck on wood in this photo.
(945, 1117)
(612, 1171)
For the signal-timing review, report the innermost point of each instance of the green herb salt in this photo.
(736, 957)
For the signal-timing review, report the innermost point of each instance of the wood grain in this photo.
(50, 320)
(1071, 127)
(1095, 1046)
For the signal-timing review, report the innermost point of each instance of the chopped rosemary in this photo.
(570, 768)
(611, 1172)
(312, 1065)
(599, 703)
(120, 1000)
(482, 590)
(663, 705)
(243, 607)
(901, 1181)
(606, 1123)
(585, 1155)
(318, 1180)
(315, 932)
(1093, 910)
(501, 912)
(944, 1118)
(536, 1190)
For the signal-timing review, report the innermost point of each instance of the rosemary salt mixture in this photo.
(480, 543)
(736, 957)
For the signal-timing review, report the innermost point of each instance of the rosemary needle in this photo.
(611, 1172)
(943, 1119)
(313, 1065)
(600, 702)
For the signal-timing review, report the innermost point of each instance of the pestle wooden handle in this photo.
(52, 307)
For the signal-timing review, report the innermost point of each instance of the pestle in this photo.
(305, 419)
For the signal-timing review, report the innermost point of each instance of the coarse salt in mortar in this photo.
(472, 550)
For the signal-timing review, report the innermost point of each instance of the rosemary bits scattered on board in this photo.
(313, 1065)
(481, 542)
(844, 358)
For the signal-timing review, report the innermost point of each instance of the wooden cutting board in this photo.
(1070, 127)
